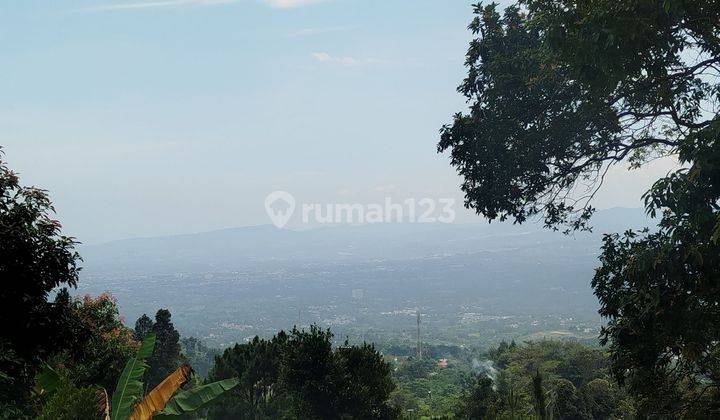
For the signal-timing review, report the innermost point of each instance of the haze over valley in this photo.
(475, 284)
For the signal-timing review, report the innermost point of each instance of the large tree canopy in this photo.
(35, 258)
(558, 92)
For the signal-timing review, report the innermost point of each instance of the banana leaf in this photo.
(196, 398)
(146, 347)
(47, 381)
(161, 394)
(129, 389)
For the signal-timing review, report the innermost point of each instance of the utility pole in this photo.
(419, 346)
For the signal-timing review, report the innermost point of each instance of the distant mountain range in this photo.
(239, 248)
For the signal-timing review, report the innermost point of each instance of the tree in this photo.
(198, 355)
(567, 402)
(560, 91)
(166, 355)
(35, 259)
(257, 364)
(365, 382)
(480, 402)
(143, 326)
(299, 375)
(539, 396)
(553, 379)
(602, 399)
(71, 402)
(308, 370)
(101, 343)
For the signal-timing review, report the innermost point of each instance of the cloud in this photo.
(324, 57)
(320, 31)
(287, 4)
(155, 4)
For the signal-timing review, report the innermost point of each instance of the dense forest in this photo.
(557, 92)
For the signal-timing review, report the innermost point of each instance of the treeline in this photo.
(293, 375)
(532, 380)
(547, 380)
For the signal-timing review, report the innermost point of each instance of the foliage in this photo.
(425, 389)
(128, 402)
(660, 290)
(143, 326)
(157, 399)
(196, 398)
(600, 397)
(538, 393)
(308, 369)
(129, 389)
(480, 401)
(560, 91)
(364, 380)
(101, 343)
(416, 368)
(548, 379)
(35, 258)
(166, 356)
(72, 403)
(300, 375)
(198, 355)
(567, 403)
(257, 365)
(47, 381)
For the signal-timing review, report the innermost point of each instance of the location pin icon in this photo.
(279, 206)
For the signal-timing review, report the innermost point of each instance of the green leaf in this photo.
(129, 389)
(146, 347)
(193, 399)
(47, 381)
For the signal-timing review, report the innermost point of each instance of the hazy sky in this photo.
(167, 116)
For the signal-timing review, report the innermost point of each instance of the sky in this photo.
(158, 117)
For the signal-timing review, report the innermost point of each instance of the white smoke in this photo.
(485, 367)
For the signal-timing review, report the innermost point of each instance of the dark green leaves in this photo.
(47, 381)
(560, 90)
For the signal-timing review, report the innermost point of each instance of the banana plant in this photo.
(163, 401)
(129, 389)
(161, 394)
